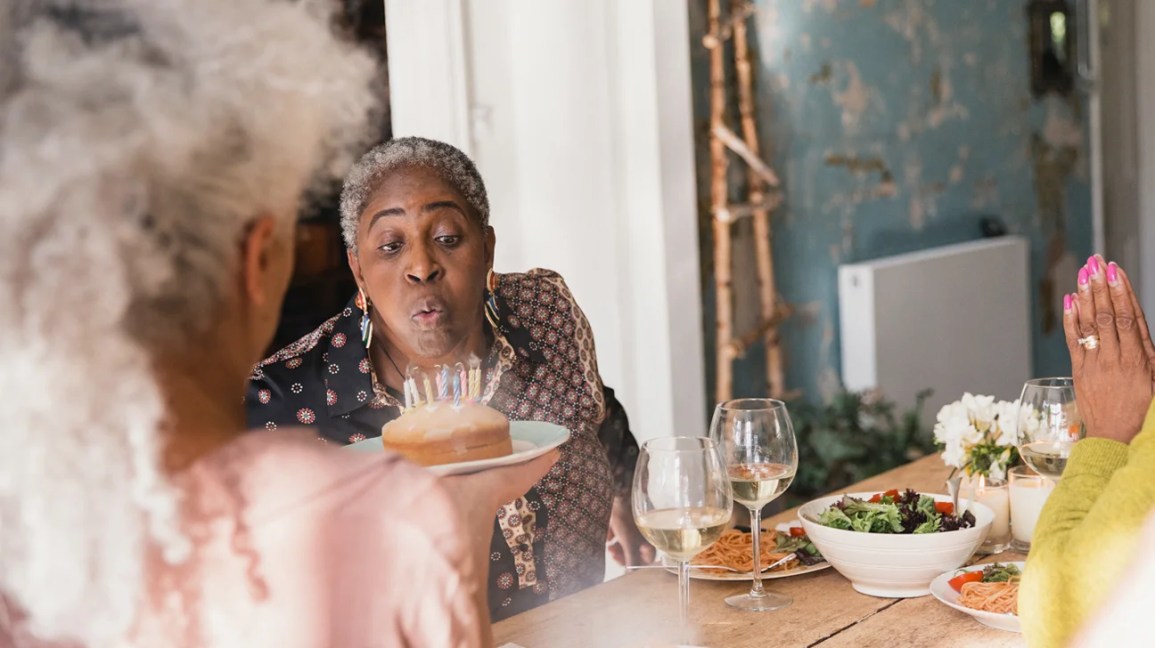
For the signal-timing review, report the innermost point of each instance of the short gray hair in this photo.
(137, 140)
(445, 160)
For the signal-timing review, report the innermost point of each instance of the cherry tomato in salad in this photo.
(957, 582)
(797, 532)
(877, 497)
(946, 508)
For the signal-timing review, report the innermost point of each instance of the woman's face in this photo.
(422, 258)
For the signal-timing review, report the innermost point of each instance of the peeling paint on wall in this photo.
(854, 98)
(896, 125)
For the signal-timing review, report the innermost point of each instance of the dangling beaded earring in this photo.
(491, 300)
(366, 321)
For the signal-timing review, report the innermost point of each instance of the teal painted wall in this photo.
(895, 126)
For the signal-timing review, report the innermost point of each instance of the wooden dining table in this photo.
(641, 608)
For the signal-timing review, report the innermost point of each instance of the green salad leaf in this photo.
(860, 515)
(1000, 573)
(894, 512)
(925, 505)
(932, 524)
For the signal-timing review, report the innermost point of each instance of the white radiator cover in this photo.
(952, 319)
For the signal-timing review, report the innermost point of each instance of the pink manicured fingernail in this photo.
(1112, 273)
(1067, 301)
(1093, 266)
(1083, 276)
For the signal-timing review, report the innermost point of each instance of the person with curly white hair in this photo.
(153, 156)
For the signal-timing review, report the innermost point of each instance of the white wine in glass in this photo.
(683, 533)
(756, 439)
(1049, 425)
(757, 484)
(681, 501)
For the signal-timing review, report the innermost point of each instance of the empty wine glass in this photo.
(681, 501)
(756, 439)
(1049, 424)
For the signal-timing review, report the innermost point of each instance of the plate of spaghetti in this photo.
(732, 556)
(989, 593)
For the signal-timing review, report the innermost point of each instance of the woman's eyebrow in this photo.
(442, 204)
(392, 211)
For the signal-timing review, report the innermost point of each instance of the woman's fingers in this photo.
(1104, 316)
(1071, 332)
(1126, 325)
(1084, 305)
(1140, 319)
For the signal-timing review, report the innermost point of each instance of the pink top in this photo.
(305, 545)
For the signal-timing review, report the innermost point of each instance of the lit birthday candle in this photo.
(411, 382)
(474, 378)
(428, 388)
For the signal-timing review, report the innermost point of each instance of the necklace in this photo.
(394, 363)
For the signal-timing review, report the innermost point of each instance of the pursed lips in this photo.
(428, 312)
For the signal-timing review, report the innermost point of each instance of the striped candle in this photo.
(443, 383)
(474, 377)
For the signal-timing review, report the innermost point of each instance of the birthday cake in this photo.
(440, 433)
(449, 424)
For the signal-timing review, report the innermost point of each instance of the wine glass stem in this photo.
(684, 592)
(756, 536)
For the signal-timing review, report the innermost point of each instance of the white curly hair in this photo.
(446, 160)
(137, 140)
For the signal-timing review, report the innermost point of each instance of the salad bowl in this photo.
(894, 565)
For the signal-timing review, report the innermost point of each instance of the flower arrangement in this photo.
(978, 435)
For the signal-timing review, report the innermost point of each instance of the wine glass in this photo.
(681, 501)
(756, 439)
(1049, 424)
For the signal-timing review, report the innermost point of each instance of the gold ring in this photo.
(1090, 342)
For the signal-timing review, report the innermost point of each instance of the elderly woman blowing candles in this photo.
(1090, 527)
(416, 223)
(153, 156)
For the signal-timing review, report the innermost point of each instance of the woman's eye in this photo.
(390, 248)
(449, 240)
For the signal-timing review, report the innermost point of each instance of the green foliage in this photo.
(985, 455)
(854, 436)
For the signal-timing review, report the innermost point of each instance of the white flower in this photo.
(1029, 420)
(954, 455)
(969, 434)
(1008, 413)
(952, 410)
(981, 408)
(978, 425)
(941, 434)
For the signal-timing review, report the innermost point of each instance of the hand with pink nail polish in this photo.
(1115, 375)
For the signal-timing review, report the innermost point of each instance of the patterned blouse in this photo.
(542, 366)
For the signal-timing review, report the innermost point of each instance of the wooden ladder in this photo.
(762, 197)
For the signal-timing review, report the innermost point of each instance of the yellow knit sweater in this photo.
(1087, 534)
